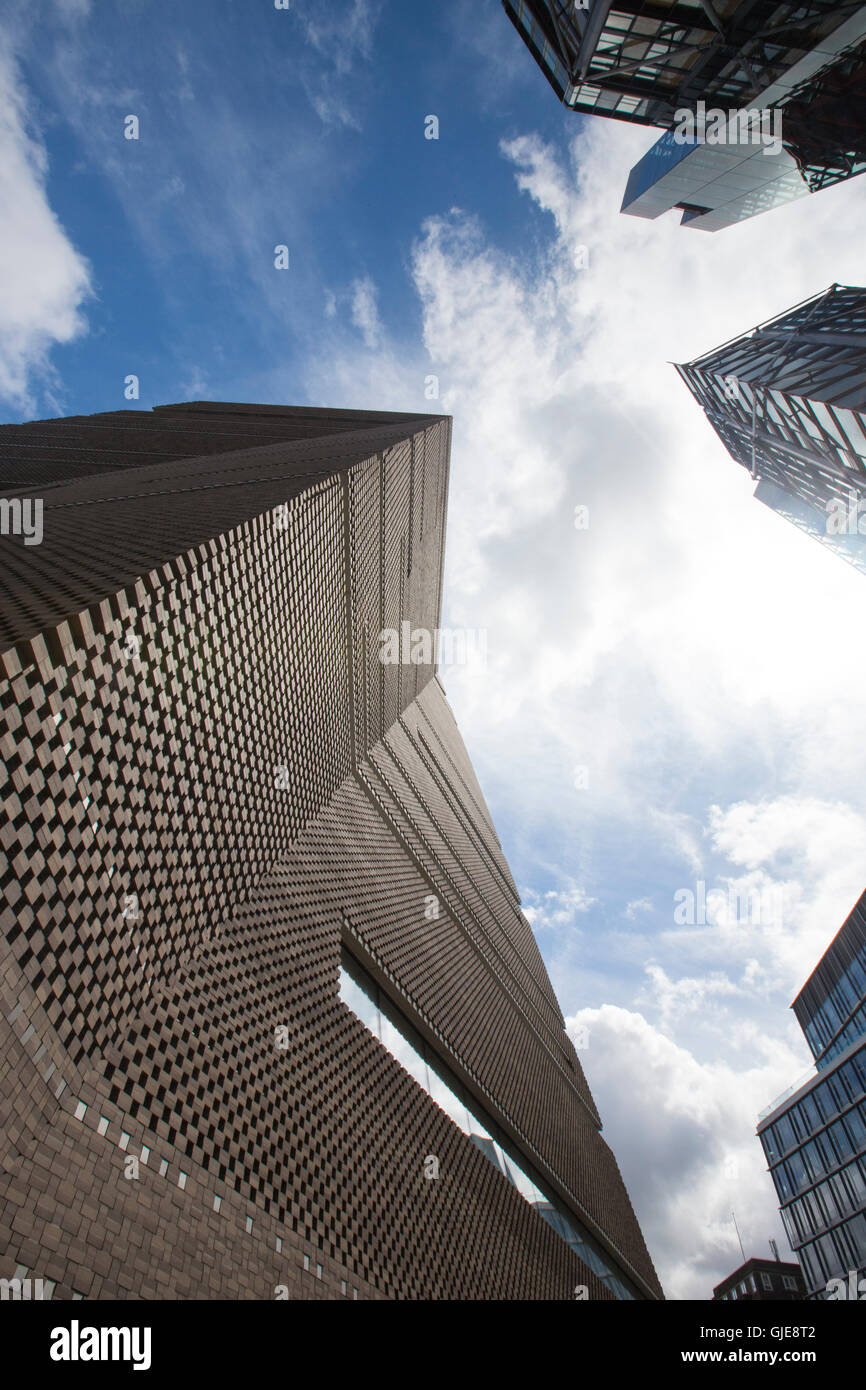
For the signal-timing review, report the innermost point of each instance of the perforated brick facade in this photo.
(212, 786)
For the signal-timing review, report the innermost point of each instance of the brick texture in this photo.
(211, 784)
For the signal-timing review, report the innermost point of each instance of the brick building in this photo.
(762, 1281)
(273, 1021)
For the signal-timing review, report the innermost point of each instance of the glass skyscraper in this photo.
(671, 64)
(814, 1137)
(788, 401)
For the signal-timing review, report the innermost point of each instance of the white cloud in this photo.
(639, 905)
(687, 994)
(344, 33)
(196, 387)
(44, 280)
(684, 1136)
(555, 909)
(365, 312)
(699, 654)
(342, 37)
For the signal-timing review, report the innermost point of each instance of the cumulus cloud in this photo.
(651, 622)
(555, 909)
(646, 619)
(44, 280)
(683, 1134)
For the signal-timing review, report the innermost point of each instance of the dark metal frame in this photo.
(824, 122)
(643, 62)
(788, 399)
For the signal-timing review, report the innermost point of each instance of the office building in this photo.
(761, 1281)
(788, 401)
(696, 69)
(274, 1024)
(814, 1136)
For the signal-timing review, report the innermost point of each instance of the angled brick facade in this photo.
(213, 787)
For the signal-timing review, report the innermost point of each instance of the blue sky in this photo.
(258, 127)
(699, 657)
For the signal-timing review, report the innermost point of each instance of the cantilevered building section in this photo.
(814, 1136)
(673, 64)
(802, 133)
(272, 1016)
(788, 401)
(644, 62)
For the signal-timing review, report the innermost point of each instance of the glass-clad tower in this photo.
(268, 1000)
(668, 63)
(814, 1136)
(804, 131)
(643, 60)
(788, 401)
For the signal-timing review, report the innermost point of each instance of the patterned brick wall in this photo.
(210, 781)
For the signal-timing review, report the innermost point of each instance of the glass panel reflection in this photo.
(360, 993)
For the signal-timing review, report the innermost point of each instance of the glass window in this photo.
(828, 1151)
(809, 1266)
(856, 1067)
(359, 1001)
(476, 1128)
(801, 1175)
(782, 1179)
(524, 1184)
(594, 1260)
(813, 1212)
(856, 1129)
(841, 1140)
(856, 1183)
(770, 1144)
(554, 1219)
(830, 1257)
(407, 1050)
(487, 1147)
(766, 1281)
(839, 1090)
(855, 1231)
(785, 1133)
(813, 1037)
(361, 994)
(447, 1100)
(825, 1195)
(791, 1230)
(811, 1118)
(843, 1192)
(851, 428)
(823, 1101)
(857, 973)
